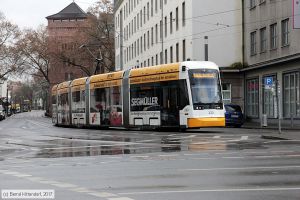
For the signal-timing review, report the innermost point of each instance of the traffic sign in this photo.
(268, 82)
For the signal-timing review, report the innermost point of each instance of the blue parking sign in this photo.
(268, 82)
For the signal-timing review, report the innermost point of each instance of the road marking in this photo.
(139, 156)
(241, 168)
(102, 194)
(212, 190)
(217, 137)
(67, 186)
(267, 156)
(244, 137)
(233, 157)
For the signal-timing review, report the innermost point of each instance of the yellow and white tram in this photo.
(179, 95)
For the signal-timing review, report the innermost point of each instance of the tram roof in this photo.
(63, 85)
(159, 69)
(54, 88)
(79, 81)
(106, 77)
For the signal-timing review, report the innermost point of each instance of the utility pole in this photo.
(206, 48)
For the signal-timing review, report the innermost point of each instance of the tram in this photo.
(181, 95)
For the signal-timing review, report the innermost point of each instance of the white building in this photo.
(151, 32)
(3, 89)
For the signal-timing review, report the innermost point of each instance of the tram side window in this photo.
(54, 99)
(145, 97)
(183, 98)
(76, 96)
(100, 99)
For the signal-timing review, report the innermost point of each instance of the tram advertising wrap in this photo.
(178, 95)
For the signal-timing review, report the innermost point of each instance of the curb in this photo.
(270, 128)
(269, 137)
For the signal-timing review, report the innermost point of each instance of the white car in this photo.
(2, 113)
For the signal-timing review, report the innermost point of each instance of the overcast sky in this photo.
(32, 13)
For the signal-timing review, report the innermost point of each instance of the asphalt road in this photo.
(216, 164)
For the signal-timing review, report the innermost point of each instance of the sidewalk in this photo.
(288, 132)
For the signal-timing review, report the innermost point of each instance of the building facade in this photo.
(65, 30)
(3, 89)
(153, 32)
(272, 53)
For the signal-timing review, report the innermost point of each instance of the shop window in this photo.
(269, 97)
(291, 95)
(226, 91)
(252, 97)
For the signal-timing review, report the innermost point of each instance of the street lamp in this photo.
(98, 60)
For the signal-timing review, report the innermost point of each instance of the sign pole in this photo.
(278, 107)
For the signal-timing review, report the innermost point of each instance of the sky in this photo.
(32, 13)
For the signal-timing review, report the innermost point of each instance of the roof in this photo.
(106, 77)
(72, 11)
(154, 70)
(79, 81)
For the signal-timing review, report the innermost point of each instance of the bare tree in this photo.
(32, 47)
(9, 60)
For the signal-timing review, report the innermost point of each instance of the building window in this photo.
(138, 47)
(138, 21)
(269, 97)
(171, 54)
(151, 8)
(263, 40)
(171, 22)
(177, 21)
(253, 43)
(144, 15)
(285, 32)
(161, 29)
(141, 16)
(156, 33)
(183, 14)
(134, 24)
(291, 95)
(226, 91)
(145, 42)
(155, 6)
(148, 39)
(141, 44)
(166, 27)
(135, 49)
(152, 35)
(166, 56)
(183, 51)
(148, 11)
(161, 57)
(252, 4)
(156, 59)
(273, 36)
(177, 52)
(252, 97)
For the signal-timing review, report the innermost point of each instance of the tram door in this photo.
(170, 112)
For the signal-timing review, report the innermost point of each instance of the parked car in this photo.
(2, 113)
(234, 115)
